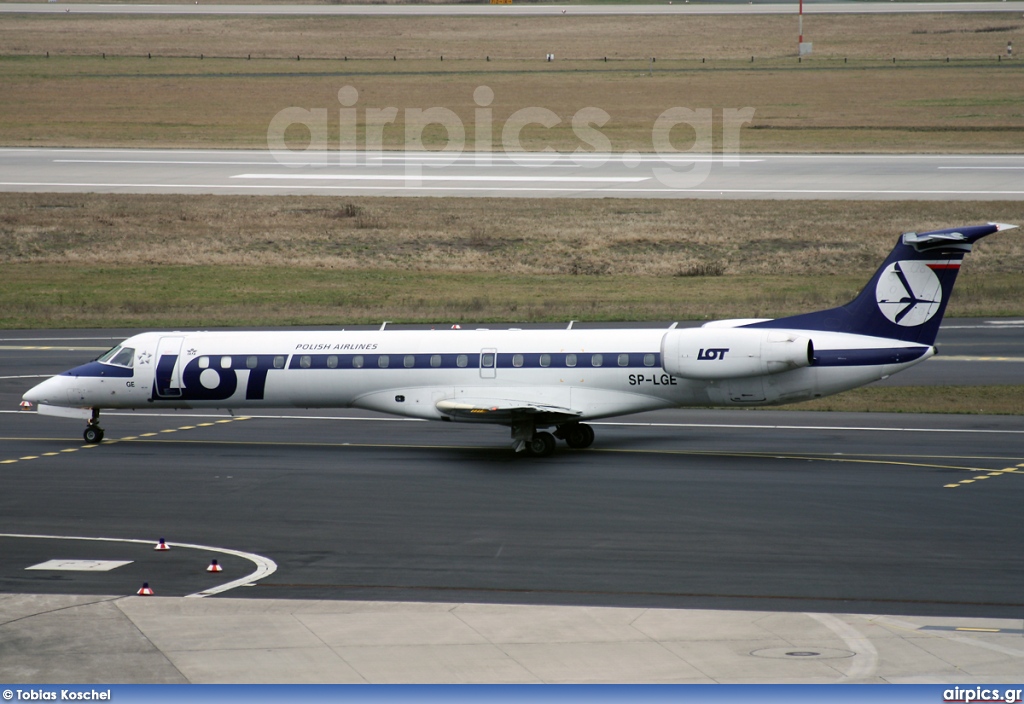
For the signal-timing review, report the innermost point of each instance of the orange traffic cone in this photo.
(162, 545)
(145, 591)
(214, 567)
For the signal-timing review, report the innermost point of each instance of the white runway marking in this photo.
(80, 565)
(61, 339)
(264, 566)
(988, 325)
(830, 428)
(468, 159)
(864, 663)
(434, 177)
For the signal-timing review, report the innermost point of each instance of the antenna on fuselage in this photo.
(384, 324)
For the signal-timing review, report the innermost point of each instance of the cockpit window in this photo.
(105, 357)
(119, 356)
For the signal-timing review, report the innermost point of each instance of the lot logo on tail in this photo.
(909, 293)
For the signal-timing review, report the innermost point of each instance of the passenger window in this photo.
(623, 360)
(305, 361)
(225, 362)
(545, 360)
(279, 362)
(409, 361)
(648, 360)
(383, 361)
(517, 360)
(570, 360)
(357, 362)
(252, 362)
(487, 360)
(204, 362)
(435, 360)
(596, 360)
(332, 362)
(462, 360)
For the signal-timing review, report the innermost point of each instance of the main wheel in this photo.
(93, 434)
(542, 444)
(579, 436)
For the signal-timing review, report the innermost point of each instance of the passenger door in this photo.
(488, 363)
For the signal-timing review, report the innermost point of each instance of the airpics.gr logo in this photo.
(909, 293)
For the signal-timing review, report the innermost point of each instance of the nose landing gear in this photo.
(93, 432)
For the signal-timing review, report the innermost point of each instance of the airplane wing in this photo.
(503, 411)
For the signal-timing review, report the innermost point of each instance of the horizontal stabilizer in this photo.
(965, 235)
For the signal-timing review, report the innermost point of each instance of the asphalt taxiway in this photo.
(720, 509)
(374, 543)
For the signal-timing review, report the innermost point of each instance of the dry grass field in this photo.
(848, 97)
(100, 260)
(691, 37)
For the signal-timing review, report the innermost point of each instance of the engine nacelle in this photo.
(733, 353)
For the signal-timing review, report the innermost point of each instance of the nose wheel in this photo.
(93, 432)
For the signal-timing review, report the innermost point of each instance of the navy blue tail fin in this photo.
(907, 296)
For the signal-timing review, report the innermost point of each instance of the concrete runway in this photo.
(771, 176)
(680, 7)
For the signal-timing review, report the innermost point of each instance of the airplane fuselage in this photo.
(528, 380)
(596, 373)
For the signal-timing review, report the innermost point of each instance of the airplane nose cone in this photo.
(50, 392)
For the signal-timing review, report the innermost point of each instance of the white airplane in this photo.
(535, 380)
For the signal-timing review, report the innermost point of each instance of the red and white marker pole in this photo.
(801, 26)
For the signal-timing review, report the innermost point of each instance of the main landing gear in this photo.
(578, 436)
(540, 443)
(93, 432)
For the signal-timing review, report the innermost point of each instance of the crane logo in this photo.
(908, 293)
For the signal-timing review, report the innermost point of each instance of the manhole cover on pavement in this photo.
(803, 653)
